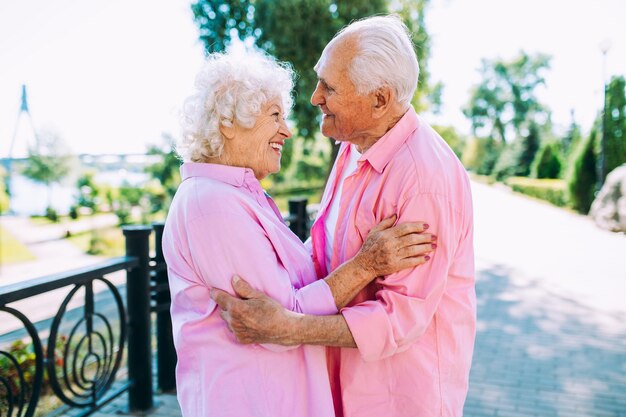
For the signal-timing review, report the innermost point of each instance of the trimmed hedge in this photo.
(551, 190)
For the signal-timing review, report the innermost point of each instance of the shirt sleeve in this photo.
(406, 301)
(226, 243)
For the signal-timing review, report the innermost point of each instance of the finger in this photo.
(243, 289)
(415, 239)
(416, 250)
(222, 298)
(386, 223)
(414, 261)
(410, 227)
(226, 317)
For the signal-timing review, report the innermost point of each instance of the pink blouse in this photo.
(220, 223)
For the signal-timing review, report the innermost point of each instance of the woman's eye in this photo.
(276, 116)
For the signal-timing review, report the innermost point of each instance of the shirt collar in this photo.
(236, 176)
(386, 147)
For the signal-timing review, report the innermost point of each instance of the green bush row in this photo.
(551, 190)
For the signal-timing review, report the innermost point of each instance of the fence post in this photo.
(140, 392)
(299, 224)
(166, 354)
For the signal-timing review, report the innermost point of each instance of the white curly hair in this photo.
(231, 86)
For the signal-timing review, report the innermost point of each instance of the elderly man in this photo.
(403, 347)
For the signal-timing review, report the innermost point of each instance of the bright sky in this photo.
(109, 76)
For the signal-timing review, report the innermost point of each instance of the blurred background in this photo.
(531, 96)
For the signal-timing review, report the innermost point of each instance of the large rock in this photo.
(609, 208)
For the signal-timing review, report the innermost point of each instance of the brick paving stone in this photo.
(540, 354)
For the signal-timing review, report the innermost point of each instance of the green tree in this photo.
(4, 195)
(481, 154)
(88, 191)
(49, 161)
(165, 170)
(517, 157)
(615, 125)
(547, 163)
(582, 176)
(572, 137)
(452, 138)
(504, 103)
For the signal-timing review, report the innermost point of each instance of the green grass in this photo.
(11, 250)
(107, 242)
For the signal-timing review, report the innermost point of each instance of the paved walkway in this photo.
(551, 337)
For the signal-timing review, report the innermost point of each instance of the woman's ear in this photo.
(228, 131)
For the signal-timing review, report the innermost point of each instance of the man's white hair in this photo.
(231, 87)
(384, 56)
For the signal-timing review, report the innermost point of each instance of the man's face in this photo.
(346, 114)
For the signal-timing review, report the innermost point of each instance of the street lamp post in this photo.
(605, 45)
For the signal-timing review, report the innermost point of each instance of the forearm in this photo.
(316, 330)
(346, 281)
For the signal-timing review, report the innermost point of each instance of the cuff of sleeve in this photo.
(370, 329)
(277, 348)
(317, 299)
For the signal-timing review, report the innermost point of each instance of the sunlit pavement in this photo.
(551, 336)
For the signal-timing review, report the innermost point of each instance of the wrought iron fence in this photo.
(79, 364)
(80, 367)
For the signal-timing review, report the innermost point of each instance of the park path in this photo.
(551, 333)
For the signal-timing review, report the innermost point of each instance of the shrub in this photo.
(516, 159)
(480, 155)
(551, 190)
(547, 163)
(51, 214)
(73, 213)
(582, 177)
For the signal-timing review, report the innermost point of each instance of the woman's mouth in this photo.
(277, 146)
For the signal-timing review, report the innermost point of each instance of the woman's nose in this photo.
(284, 129)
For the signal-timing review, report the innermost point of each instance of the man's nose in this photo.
(317, 98)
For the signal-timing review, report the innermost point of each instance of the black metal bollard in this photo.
(166, 354)
(140, 392)
(298, 216)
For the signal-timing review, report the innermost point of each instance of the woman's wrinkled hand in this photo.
(388, 249)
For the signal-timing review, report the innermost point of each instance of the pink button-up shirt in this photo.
(414, 329)
(220, 223)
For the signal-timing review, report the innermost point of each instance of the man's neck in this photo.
(385, 126)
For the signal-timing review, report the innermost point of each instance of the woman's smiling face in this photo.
(259, 147)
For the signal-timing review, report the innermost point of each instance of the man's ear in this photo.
(228, 131)
(382, 98)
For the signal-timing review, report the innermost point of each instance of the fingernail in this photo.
(434, 237)
(212, 294)
(426, 226)
(427, 257)
(235, 279)
(434, 246)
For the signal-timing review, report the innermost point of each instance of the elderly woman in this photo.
(221, 222)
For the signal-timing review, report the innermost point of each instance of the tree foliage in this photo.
(480, 155)
(49, 161)
(504, 103)
(582, 176)
(166, 171)
(297, 31)
(615, 125)
(517, 157)
(547, 163)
